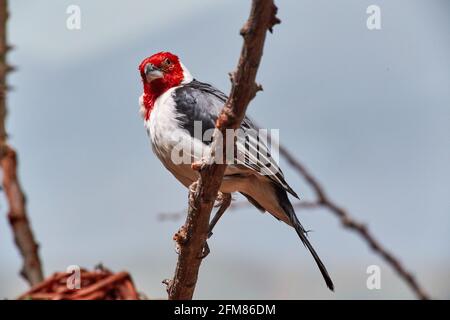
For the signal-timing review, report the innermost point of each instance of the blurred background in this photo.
(366, 111)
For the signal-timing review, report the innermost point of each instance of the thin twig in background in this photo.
(191, 238)
(17, 215)
(236, 205)
(354, 225)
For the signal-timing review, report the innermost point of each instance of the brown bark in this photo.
(192, 236)
(17, 215)
(23, 236)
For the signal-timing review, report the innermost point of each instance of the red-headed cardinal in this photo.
(171, 105)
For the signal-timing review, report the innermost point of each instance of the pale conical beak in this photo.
(152, 73)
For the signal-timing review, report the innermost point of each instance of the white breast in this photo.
(172, 145)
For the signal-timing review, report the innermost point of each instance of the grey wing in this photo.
(198, 101)
(257, 155)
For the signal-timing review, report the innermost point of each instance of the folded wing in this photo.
(198, 101)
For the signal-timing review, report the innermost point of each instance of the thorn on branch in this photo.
(257, 87)
(274, 20)
(245, 30)
(232, 76)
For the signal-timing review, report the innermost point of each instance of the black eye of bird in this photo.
(167, 62)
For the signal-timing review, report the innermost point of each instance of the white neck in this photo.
(187, 77)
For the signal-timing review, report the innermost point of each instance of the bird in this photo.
(174, 104)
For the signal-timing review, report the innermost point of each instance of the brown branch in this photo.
(354, 225)
(192, 236)
(23, 236)
(17, 215)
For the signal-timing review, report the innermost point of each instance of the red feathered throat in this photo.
(170, 66)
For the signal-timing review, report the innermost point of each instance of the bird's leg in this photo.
(224, 201)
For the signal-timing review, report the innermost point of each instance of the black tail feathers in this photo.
(287, 206)
(302, 234)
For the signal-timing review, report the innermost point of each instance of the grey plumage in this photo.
(198, 101)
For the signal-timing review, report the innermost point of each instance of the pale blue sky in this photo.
(367, 111)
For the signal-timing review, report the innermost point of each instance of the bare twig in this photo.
(23, 236)
(354, 225)
(192, 237)
(177, 215)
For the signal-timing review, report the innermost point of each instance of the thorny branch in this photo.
(23, 235)
(191, 238)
